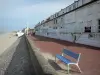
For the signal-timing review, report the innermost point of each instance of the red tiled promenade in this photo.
(90, 58)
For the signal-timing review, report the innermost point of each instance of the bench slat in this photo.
(70, 53)
(65, 60)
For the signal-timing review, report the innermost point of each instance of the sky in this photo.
(16, 14)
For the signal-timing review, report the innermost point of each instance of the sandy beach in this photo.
(6, 40)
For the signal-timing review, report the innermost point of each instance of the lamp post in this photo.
(27, 29)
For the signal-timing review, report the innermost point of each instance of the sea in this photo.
(1, 33)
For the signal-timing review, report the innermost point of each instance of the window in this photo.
(43, 25)
(62, 19)
(57, 14)
(87, 29)
(99, 25)
(74, 6)
(69, 8)
(55, 21)
(99, 22)
(54, 27)
(83, 1)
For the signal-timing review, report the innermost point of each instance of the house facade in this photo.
(79, 23)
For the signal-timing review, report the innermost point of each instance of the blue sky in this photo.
(15, 14)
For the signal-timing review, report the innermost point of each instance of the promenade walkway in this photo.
(90, 58)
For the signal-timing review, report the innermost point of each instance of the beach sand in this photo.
(6, 40)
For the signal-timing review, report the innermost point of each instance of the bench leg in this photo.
(55, 58)
(68, 68)
(79, 68)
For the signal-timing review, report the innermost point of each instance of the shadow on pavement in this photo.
(54, 65)
(58, 68)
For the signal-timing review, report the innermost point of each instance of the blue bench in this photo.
(68, 61)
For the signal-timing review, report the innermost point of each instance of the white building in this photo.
(79, 22)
